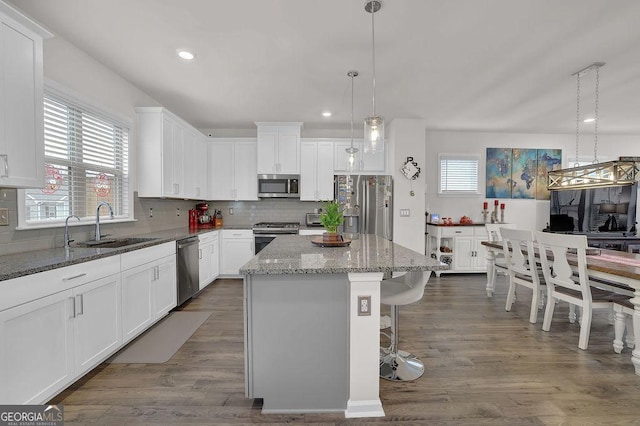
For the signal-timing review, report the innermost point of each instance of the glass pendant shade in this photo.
(373, 133)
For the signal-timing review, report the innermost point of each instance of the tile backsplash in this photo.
(167, 214)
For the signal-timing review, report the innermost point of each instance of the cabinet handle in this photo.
(200, 254)
(5, 158)
(176, 188)
(73, 277)
(197, 191)
(157, 272)
(73, 307)
(80, 303)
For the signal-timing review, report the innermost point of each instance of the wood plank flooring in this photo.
(484, 366)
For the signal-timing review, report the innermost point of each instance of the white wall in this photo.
(526, 214)
(406, 139)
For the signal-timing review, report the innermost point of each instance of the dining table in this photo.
(620, 270)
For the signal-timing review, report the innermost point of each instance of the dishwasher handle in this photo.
(187, 242)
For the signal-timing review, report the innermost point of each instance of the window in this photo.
(458, 174)
(86, 162)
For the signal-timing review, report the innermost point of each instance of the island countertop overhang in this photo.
(295, 254)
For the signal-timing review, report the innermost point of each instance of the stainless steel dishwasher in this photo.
(188, 268)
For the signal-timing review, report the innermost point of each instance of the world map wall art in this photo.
(520, 172)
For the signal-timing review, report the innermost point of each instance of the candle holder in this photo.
(501, 215)
(485, 213)
(494, 214)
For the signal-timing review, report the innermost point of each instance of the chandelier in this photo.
(352, 150)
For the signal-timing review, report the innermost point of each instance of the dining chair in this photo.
(494, 236)
(563, 285)
(521, 264)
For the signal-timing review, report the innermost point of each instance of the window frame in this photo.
(461, 157)
(66, 94)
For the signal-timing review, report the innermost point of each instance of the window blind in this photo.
(86, 162)
(458, 175)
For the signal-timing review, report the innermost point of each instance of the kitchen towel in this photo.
(162, 341)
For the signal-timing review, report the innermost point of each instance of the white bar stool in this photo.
(395, 364)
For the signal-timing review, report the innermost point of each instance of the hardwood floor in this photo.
(483, 366)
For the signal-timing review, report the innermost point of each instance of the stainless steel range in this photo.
(265, 232)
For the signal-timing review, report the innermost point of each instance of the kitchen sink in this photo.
(115, 243)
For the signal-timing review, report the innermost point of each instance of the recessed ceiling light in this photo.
(326, 114)
(186, 55)
(589, 120)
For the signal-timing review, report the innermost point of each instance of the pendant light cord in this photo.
(577, 116)
(595, 124)
(373, 49)
(352, 74)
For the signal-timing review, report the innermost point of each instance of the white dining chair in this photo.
(519, 254)
(564, 285)
(494, 236)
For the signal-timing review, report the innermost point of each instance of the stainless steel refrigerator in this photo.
(367, 203)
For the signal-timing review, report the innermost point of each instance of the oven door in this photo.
(261, 241)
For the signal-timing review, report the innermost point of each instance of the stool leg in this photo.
(399, 365)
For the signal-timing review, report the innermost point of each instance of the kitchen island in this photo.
(306, 347)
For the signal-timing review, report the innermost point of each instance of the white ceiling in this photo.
(497, 65)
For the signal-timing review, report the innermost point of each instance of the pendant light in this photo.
(373, 124)
(352, 150)
(595, 175)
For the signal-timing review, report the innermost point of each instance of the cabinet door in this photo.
(267, 152)
(165, 290)
(235, 253)
(221, 170)
(308, 171)
(215, 259)
(137, 310)
(245, 177)
(462, 250)
(36, 360)
(178, 160)
(373, 162)
(204, 269)
(168, 188)
(325, 171)
(21, 107)
(289, 151)
(201, 168)
(480, 254)
(97, 327)
(189, 164)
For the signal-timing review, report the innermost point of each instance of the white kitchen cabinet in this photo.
(458, 246)
(21, 100)
(201, 167)
(63, 322)
(364, 163)
(148, 287)
(278, 148)
(237, 249)
(316, 170)
(209, 253)
(232, 169)
(165, 139)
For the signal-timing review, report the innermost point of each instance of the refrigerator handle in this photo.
(364, 207)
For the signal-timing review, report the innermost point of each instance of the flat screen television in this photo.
(592, 210)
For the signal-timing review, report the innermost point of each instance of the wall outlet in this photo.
(364, 306)
(4, 217)
(150, 212)
(231, 210)
(405, 213)
(177, 211)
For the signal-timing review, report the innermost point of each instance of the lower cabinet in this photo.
(237, 249)
(209, 251)
(458, 246)
(149, 289)
(49, 342)
(57, 325)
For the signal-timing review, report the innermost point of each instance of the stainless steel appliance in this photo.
(265, 232)
(313, 220)
(188, 268)
(367, 202)
(278, 186)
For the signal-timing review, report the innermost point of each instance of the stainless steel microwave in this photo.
(278, 186)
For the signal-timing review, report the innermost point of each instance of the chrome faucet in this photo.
(67, 241)
(104, 203)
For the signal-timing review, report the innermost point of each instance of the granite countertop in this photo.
(456, 224)
(21, 264)
(295, 254)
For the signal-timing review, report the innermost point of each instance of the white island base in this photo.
(306, 351)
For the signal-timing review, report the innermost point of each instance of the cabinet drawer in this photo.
(209, 236)
(31, 287)
(237, 233)
(139, 257)
(455, 231)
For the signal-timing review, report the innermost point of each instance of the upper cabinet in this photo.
(166, 140)
(316, 170)
(364, 163)
(232, 169)
(21, 94)
(278, 148)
